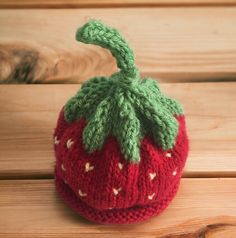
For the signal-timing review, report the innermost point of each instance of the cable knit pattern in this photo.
(120, 143)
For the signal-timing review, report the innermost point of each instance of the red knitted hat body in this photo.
(105, 188)
(119, 158)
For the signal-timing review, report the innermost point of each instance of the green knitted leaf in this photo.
(123, 105)
(127, 129)
(99, 126)
(164, 126)
(84, 103)
(152, 91)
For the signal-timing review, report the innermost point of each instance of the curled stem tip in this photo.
(95, 32)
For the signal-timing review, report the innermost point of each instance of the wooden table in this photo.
(193, 53)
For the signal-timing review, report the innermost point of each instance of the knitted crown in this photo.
(118, 121)
(122, 105)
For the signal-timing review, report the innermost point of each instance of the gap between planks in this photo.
(111, 3)
(202, 208)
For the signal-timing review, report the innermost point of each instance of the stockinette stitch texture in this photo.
(120, 143)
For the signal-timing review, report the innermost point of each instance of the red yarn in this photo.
(104, 187)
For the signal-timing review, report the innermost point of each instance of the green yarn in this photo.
(122, 105)
(94, 32)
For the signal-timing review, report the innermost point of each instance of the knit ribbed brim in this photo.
(114, 216)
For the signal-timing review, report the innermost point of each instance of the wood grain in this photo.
(202, 208)
(110, 3)
(174, 44)
(28, 115)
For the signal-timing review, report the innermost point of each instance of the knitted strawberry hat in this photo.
(120, 143)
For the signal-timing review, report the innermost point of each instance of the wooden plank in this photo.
(202, 208)
(110, 3)
(174, 44)
(28, 115)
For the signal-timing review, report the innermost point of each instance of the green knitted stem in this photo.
(122, 105)
(94, 32)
